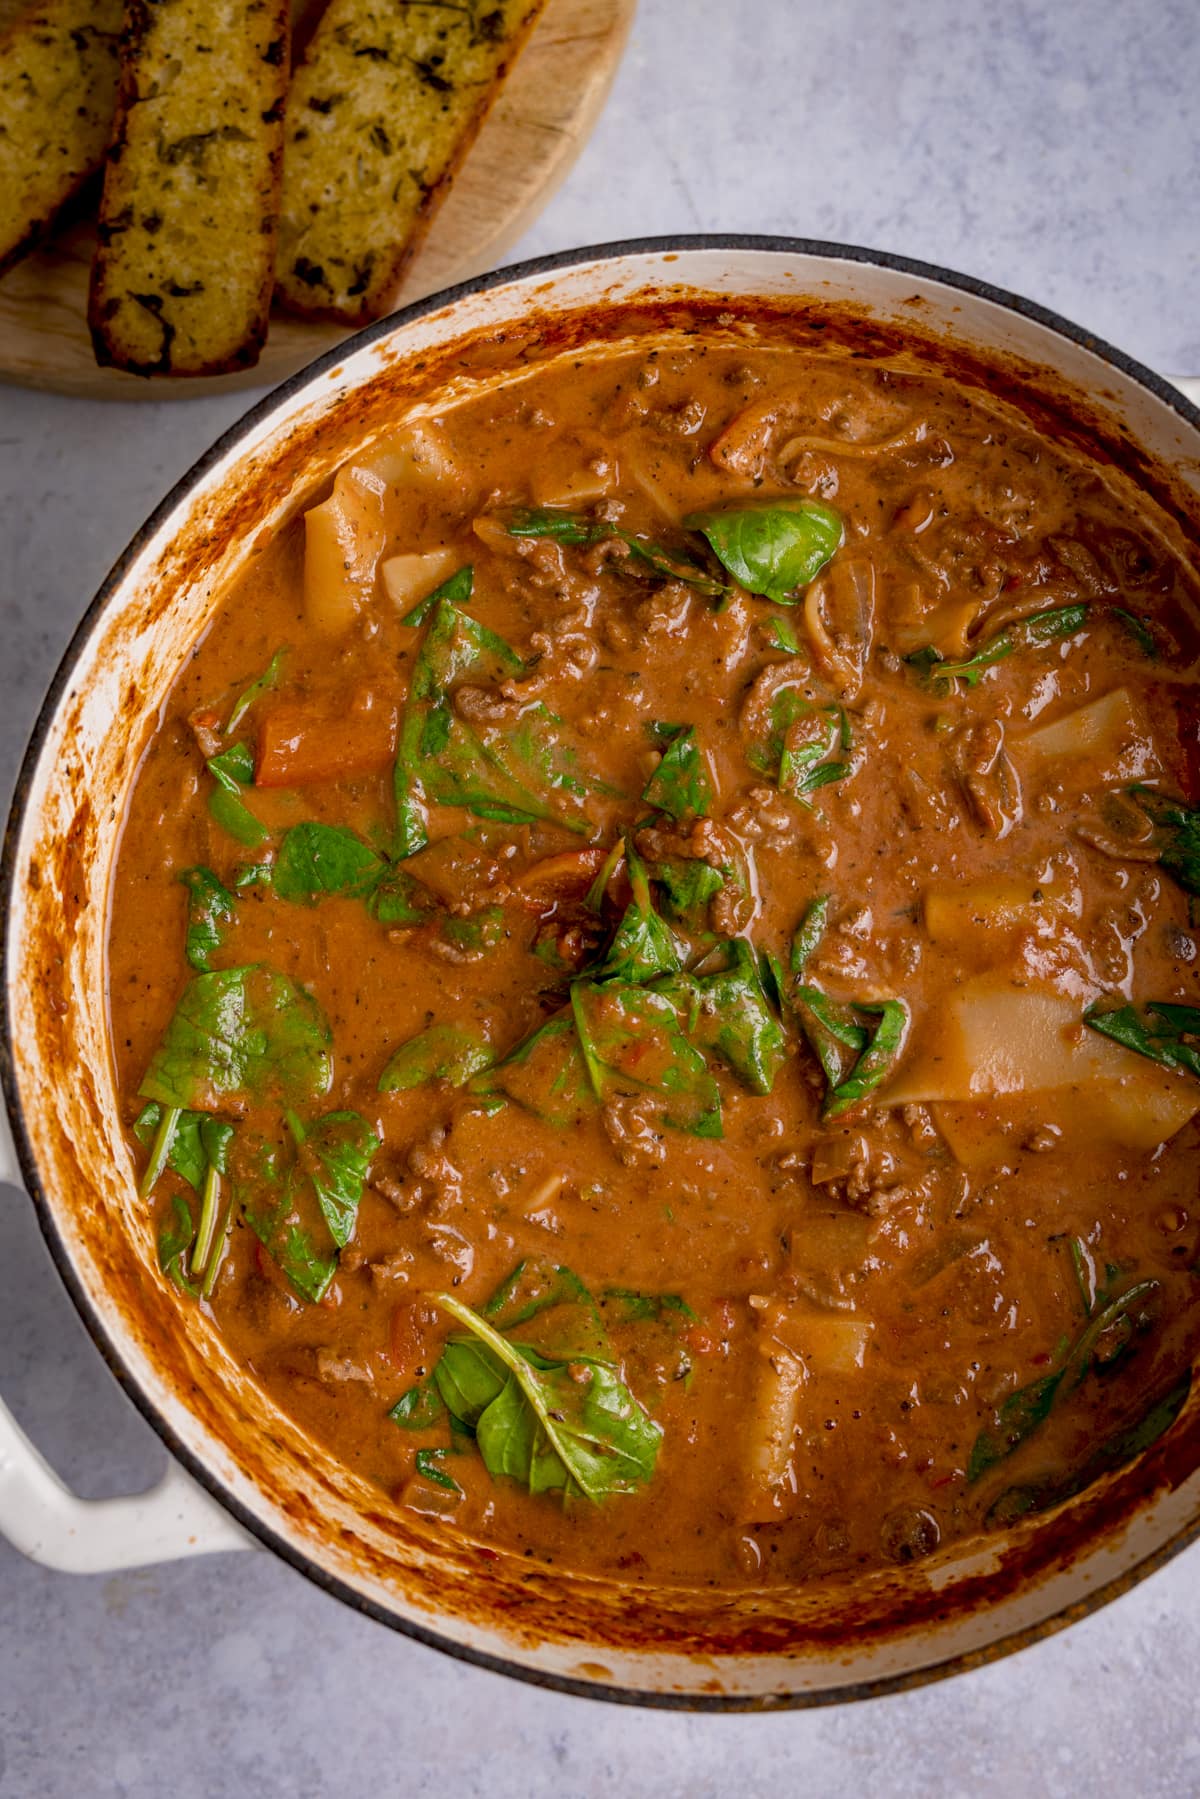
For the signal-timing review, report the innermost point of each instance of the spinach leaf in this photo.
(644, 945)
(335, 1154)
(210, 905)
(457, 589)
(574, 528)
(444, 1052)
(1160, 1033)
(232, 769)
(594, 898)
(317, 859)
(238, 1034)
(1117, 1451)
(803, 745)
(1177, 835)
(545, 1073)
(172, 1137)
(1031, 633)
(255, 874)
(875, 1063)
(632, 1045)
(1022, 1412)
(480, 931)
(196, 1147)
(806, 762)
(535, 1284)
(485, 767)
(263, 684)
(281, 1207)
(833, 1033)
(1139, 629)
(573, 1427)
(308, 1266)
(809, 933)
(215, 1140)
(419, 1408)
(680, 785)
(174, 1241)
(781, 635)
(774, 548)
(553, 1310)
(428, 1464)
(397, 899)
(467, 1380)
(689, 889)
(728, 1014)
(1017, 1418)
(627, 1306)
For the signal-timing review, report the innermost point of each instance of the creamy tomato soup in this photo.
(653, 972)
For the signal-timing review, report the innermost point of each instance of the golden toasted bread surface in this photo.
(183, 273)
(380, 113)
(58, 93)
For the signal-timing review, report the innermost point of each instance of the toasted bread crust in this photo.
(182, 279)
(58, 93)
(380, 113)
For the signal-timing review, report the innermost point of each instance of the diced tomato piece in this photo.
(411, 1321)
(302, 744)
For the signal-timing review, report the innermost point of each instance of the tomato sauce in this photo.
(650, 1059)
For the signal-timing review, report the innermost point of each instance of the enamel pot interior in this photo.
(753, 1648)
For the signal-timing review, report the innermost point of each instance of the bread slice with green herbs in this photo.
(181, 283)
(58, 93)
(381, 112)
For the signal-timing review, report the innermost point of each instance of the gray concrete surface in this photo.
(1054, 150)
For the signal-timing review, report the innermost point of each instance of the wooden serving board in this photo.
(542, 119)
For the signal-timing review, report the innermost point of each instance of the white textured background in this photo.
(1051, 148)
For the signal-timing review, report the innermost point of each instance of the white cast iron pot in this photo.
(244, 1473)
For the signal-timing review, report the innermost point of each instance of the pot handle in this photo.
(47, 1522)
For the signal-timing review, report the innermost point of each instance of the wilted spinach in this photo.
(232, 769)
(1020, 1414)
(728, 1014)
(775, 548)
(443, 1052)
(554, 1425)
(633, 1047)
(1168, 1034)
(1032, 633)
(263, 684)
(573, 528)
(210, 905)
(516, 773)
(317, 860)
(238, 1035)
(1177, 835)
(855, 1056)
(643, 945)
(680, 786)
(304, 1209)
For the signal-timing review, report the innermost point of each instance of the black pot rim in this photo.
(278, 398)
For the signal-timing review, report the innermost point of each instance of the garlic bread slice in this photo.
(381, 111)
(58, 94)
(182, 280)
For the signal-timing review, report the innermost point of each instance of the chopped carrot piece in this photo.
(301, 744)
